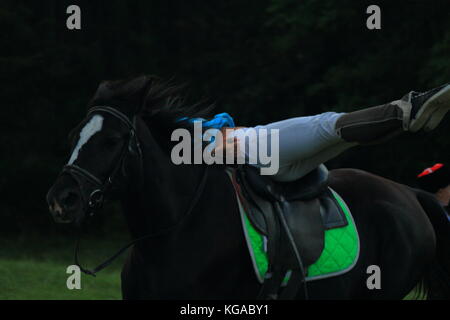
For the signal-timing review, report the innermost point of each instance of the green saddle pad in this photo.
(340, 253)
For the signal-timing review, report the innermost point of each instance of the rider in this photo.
(306, 142)
(436, 180)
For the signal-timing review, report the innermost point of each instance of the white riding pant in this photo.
(304, 143)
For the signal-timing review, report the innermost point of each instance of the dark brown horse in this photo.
(197, 248)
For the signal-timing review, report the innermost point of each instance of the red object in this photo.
(428, 171)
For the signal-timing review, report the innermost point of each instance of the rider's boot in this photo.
(414, 112)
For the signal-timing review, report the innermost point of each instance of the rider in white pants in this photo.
(306, 142)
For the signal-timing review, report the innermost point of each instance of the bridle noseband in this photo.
(96, 197)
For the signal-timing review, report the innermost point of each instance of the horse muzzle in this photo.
(64, 202)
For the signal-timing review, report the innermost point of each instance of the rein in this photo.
(156, 234)
(96, 198)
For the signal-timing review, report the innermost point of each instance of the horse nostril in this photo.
(69, 199)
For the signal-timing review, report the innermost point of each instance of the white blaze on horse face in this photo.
(92, 127)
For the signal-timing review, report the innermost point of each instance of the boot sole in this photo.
(433, 111)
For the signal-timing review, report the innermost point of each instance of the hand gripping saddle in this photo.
(293, 216)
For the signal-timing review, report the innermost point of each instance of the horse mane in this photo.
(160, 103)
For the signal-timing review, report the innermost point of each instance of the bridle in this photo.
(96, 197)
(95, 200)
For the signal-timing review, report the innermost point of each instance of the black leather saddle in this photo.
(293, 216)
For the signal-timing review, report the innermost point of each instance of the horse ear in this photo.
(136, 86)
(130, 92)
(144, 84)
(104, 91)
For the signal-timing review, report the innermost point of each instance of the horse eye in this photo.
(71, 140)
(112, 140)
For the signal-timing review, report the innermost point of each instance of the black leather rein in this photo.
(96, 198)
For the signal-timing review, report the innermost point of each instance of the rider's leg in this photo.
(367, 126)
(300, 168)
(303, 143)
(306, 142)
(302, 137)
(415, 111)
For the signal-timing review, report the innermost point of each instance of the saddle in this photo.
(293, 216)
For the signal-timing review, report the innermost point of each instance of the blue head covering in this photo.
(219, 121)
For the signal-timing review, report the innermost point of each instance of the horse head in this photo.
(106, 154)
(103, 147)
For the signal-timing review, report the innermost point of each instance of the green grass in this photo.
(38, 280)
(36, 269)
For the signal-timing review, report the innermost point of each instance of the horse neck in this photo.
(163, 202)
(165, 192)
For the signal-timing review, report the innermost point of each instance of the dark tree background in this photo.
(261, 61)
